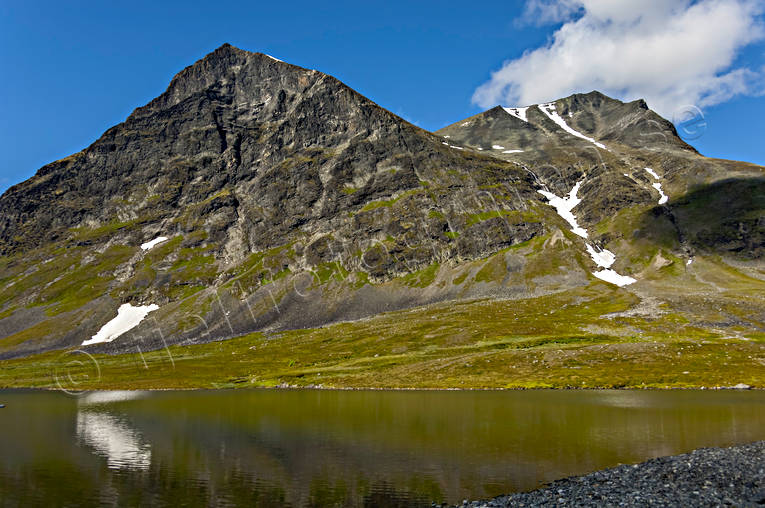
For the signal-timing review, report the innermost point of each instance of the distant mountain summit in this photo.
(255, 195)
(616, 140)
(580, 118)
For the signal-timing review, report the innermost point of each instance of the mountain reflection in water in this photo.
(306, 448)
(110, 435)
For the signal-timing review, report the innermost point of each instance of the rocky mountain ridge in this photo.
(286, 200)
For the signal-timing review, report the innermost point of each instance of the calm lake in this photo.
(340, 448)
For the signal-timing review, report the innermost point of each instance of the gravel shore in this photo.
(705, 477)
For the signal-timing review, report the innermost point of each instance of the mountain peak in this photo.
(227, 53)
(220, 69)
(581, 119)
(226, 50)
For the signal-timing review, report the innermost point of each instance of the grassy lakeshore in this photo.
(546, 342)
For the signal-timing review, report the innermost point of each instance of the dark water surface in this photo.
(334, 448)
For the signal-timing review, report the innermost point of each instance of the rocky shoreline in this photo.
(732, 476)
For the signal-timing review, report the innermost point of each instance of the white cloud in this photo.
(670, 52)
(542, 12)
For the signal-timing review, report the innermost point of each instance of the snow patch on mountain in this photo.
(513, 151)
(149, 245)
(128, 317)
(652, 173)
(519, 113)
(565, 205)
(663, 198)
(498, 147)
(604, 258)
(549, 109)
(614, 278)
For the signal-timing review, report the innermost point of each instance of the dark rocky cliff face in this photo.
(244, 154)
(289, 200)
(245, 147)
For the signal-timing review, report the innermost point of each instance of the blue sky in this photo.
(71, 70)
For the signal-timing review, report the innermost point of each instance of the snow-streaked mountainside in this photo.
(254, 195)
